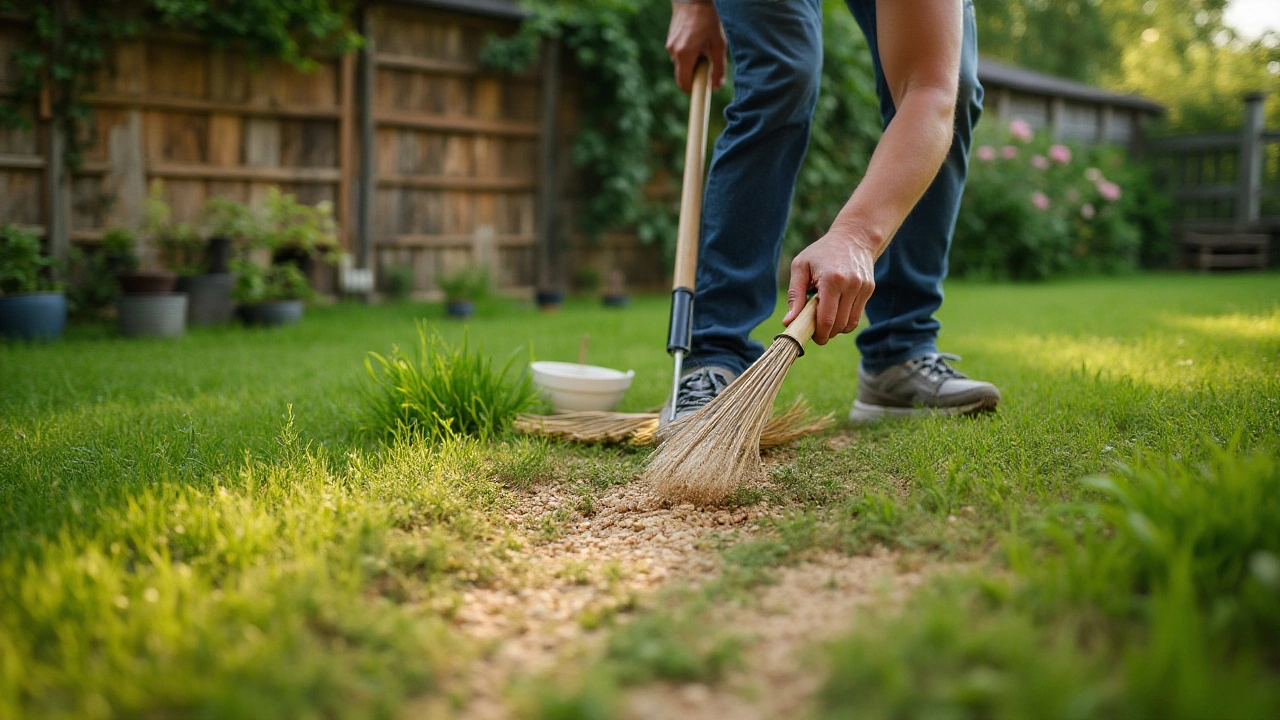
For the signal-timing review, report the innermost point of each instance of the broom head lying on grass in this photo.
(641, 429)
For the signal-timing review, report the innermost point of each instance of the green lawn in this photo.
(196, 527)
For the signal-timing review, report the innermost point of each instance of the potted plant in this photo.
(298, 233)
(92, 274)
(615, 293)
(227, 223)
(399, 281)
(270, 295)
(32, 306)
(140, 278)
(463, 288)
(148, 304)
(549, 300)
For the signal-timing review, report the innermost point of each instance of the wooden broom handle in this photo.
(695, 156)
(801, 329)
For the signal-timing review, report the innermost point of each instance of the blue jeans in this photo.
(777, 56)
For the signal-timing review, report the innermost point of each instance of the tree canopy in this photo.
(1177, 52)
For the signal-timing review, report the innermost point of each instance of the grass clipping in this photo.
(703, 458)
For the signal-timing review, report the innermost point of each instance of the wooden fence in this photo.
(431, 161)
(1225, 181)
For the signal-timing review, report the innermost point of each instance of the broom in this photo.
(704, 457)
(641, 429)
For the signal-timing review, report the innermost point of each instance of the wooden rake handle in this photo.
(801, 329)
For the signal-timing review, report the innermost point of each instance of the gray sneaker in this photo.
(697, 388)
(926, 385)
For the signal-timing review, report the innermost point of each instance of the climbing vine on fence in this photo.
(630, 143)
(68, 49)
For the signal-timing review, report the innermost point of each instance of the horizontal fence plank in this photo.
(451, 241)
(1195, 142)
(452, 182)
(244, 174)
(1205, 192)
(22, 162)
(1245, 241)
(444, 67)
(453, 123)
(152, 102)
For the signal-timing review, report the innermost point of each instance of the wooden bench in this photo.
(1225, 250)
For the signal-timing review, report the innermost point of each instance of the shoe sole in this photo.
(868, 413)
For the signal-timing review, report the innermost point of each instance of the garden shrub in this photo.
(1034, 209)
(442, 391)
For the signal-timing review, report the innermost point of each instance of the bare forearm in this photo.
(903, 165)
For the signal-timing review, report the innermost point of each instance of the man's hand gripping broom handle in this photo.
(801, 329)
(680, 331)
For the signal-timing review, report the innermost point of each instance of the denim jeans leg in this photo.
(777, 58)
(909, 274)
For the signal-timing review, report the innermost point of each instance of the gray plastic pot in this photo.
(36, 316)
(271, 314)
(208, 298)
(152, 314)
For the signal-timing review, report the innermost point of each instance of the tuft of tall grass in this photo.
(442, 391)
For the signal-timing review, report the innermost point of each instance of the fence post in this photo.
(549, 257)
(57, 234)
(1251, 158)
(365, 189)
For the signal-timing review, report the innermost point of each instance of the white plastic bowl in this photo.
(571, 387)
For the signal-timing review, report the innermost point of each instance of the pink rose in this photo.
(986, 153)
(1093, 174)
(1020, 129)
(1086, 211)
(1009, 152)
(1109, 190)
(1040, 200)
(1060, 154)
(1039, 162)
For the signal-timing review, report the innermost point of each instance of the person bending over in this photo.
(886, 251)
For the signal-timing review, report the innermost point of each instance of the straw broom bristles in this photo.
(706, 456)
(641, 429)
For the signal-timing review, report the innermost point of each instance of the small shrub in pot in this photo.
(399, 282)
(463, 288)
(272, 295)
(298, 233)
(32, 306)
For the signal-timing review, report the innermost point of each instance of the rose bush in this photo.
(1035, 209)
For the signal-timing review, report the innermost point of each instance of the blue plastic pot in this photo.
(460, 309)
(39, 316)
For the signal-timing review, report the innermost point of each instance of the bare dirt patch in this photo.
(575, 569)
(811, 603)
